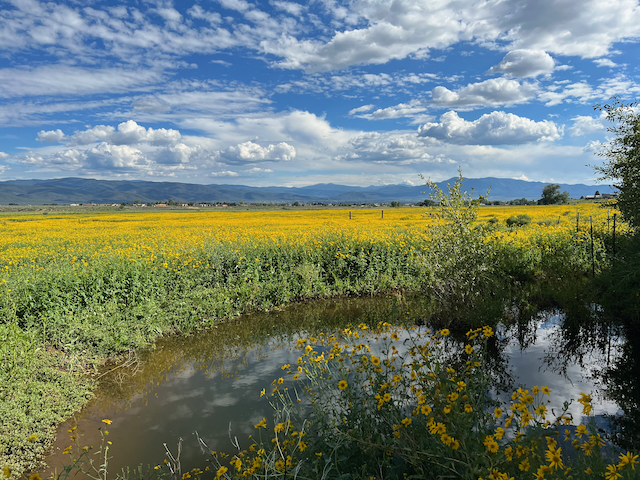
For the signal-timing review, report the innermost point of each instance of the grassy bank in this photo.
(39, 389)
(90, 288)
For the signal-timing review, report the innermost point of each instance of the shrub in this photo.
(519, 221)
(462, 258)
(547, 222)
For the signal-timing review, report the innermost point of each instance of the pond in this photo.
(210, 382)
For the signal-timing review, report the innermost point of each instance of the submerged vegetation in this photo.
(75, 290)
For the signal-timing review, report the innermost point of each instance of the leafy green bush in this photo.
(547, 222)
(618, 285)
(519, 221)
(461, 262)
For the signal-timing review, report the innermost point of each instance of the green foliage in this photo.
(622, 156)
(519, 221)
(542, 258)
(111, 307)
(463, 266)
(547, 222)
(551, 195)
(618, 285)
(38, 390)
(522, 201)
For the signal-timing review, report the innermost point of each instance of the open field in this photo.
(28, 239)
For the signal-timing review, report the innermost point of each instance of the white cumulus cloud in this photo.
(390, 148)
(410, 109)
(593, 146)
(252, 152)
(495, 128)
(492, 92)
(176, 154)
(583, 92)
(50, 136)
(129, 148)
(356, 32)
(605, 62)
(239, 5)
(291, 8)
(127, 133)
(585, 124)
(397, 29)
(525, 63)
(115, 157)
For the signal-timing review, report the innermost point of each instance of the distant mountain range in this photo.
(85, 190)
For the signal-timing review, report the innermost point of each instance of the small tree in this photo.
(551, 195)
(622, 156)
(464, 259)
(522, 201)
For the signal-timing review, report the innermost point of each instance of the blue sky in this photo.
(361, 92)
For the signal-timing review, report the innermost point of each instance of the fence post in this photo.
(593, 258)
(578, 222)
(349, 215)
(614, 234)
(382, 214)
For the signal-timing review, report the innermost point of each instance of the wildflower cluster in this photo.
(391, 402)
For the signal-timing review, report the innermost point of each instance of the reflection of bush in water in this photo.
(623, 386)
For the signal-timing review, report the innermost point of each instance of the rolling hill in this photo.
(85, 190)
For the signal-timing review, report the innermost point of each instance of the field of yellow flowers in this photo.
(75, 288)
(68, 272)
(36, 239)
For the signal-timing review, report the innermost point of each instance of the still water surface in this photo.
(211, 380)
